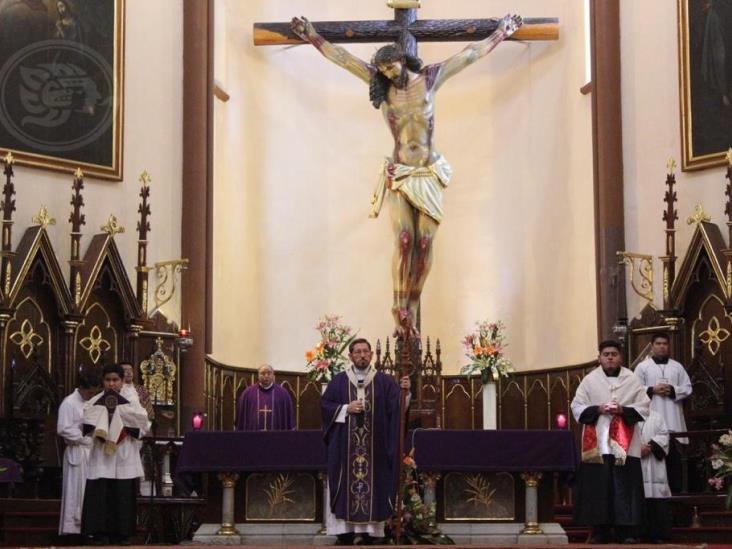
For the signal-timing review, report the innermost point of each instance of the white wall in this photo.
(652, 134)
(298, 147)
(153, 124)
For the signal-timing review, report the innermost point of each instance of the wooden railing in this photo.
(526, 400)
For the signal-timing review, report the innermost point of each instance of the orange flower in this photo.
(491, 350)
(409, 462)
(477, 350)
(319, 347)
(309, 356)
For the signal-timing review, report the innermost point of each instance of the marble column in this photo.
(531, 480)
(228, 526)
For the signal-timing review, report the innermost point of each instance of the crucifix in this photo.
(264, 411)
(413, 178)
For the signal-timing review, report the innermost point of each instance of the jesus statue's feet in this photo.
(405, 324)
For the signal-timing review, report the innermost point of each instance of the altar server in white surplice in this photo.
(76, 454)
(667, 384)
(113, 422)
(654, 448)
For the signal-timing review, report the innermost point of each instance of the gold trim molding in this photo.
(112, 226)
(404, 4)
(167, 273)
(26, 338)
(145, 178)
(699, 216)
(644, 286)
(43, 218)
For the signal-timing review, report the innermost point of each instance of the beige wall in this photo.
(651, 134)
(152, 141)
(297, 152)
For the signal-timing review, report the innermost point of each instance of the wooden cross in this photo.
(407, 30)
(264, 411)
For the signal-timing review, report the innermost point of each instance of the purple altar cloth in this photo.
(233, 451)
(497, 451)
(435, 450)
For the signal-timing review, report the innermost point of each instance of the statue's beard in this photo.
(401, 80)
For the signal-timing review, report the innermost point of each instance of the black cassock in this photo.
(609, 494)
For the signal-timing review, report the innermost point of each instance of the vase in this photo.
(490, 405)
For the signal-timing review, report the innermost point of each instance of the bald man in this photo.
(265, 406)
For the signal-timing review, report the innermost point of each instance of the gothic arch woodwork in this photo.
(700, 327)
(97, 337)
(103, 269)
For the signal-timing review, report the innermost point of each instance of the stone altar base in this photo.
(308, 534)
(264, 534)
(503, 533)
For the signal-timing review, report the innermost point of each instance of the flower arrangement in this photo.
(329, 356)
(484, 347)
(419, 517)
(721, 461)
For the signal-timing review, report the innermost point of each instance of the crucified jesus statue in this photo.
(412, 179)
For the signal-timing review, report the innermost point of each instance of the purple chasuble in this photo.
(262, 409)
(362, 452)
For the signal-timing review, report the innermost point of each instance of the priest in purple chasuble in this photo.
(360, 410)
(265, 406)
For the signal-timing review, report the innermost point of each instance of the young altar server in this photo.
(76, 454)
(654, 449)
(667, 384)
(110, 510)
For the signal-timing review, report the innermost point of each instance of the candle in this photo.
(197, 421)
(561, 421)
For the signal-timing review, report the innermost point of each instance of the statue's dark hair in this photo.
(380, 84)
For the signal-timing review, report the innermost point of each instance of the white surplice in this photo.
(655, 481)
(124, 461)
(595, 389)
(75, 461)
(671, 409)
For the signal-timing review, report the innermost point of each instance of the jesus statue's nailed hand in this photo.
(510, 24)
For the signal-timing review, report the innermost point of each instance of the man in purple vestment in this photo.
(265, 406)
(360, 410)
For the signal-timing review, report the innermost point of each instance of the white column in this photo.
(167, 480)
(490, 405)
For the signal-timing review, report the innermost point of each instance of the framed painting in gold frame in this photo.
(61, 84)
(705, 77)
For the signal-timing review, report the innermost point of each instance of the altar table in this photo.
(530, 453)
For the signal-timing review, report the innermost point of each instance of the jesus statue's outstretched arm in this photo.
(476, 50)
(338, 55)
